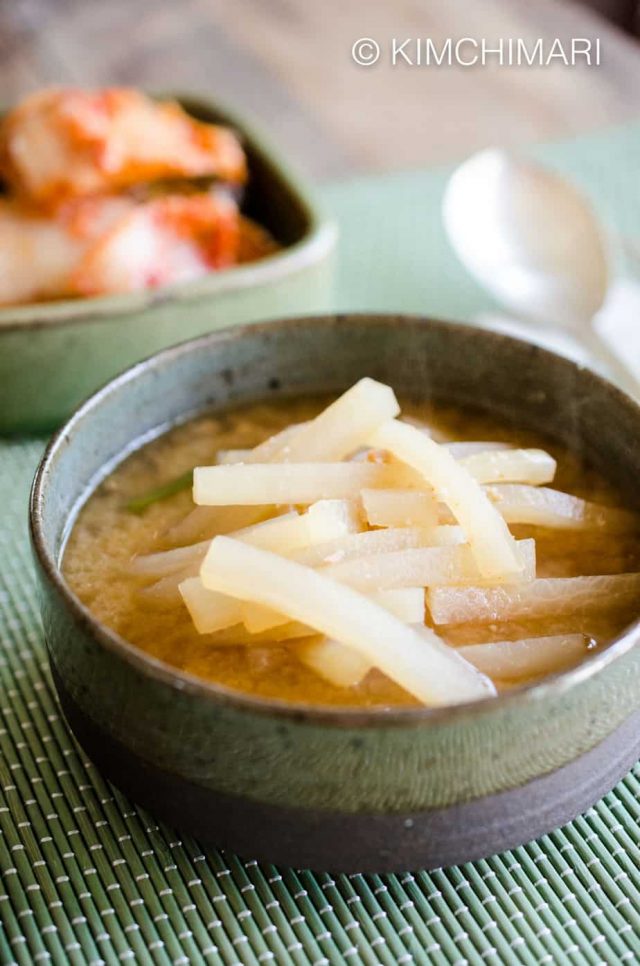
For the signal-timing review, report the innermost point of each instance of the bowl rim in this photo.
(317, 241)
(550, 687)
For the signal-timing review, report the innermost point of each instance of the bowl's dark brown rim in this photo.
(317, 241)
(340, 716)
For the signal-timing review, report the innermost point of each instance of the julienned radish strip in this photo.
(336, 663)
(288, 531)
(364, 544)
(463, 448)
(533, 466)
(326, 520)
(278, 483)
(421, 567)
(205, 522)
(546, 597)
(209, 610)
(500, 660)
(334, 433)
(344, 425)
(493, 546)
(406, 603)
(422, 664)
(546, 507)
(425, 567)
(400, 508)
(527, 657)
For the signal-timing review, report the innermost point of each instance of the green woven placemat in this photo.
(89, 878)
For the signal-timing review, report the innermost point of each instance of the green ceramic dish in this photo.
(329, 788)
(52, 355)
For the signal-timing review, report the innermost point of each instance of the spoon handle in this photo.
(620, 373)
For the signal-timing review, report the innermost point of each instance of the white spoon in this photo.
(532, 240)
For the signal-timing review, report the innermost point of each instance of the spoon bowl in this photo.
(529, 237)
(533, 241)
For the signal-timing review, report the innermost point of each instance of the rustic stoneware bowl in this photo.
(333, 789)
(53, 354)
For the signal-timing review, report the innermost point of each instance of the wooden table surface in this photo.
(288, 64)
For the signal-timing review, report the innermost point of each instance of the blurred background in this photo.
(288, 64)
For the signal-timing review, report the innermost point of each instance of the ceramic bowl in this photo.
(335, 789)
(53, 354)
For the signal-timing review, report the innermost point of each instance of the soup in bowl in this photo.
(476, 560)
(345, 584)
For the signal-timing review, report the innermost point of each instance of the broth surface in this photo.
(107, 536)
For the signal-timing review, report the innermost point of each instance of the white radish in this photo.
(270, 483)
(545, 507)
(339, 665)
(493, 546)
(423, 665)
(528, 657)
(425, 567)
(345, 425)
(546, 597)
(533, 466)
(400, 508)
(356, 545)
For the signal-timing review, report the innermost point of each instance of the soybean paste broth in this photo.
(107, 536)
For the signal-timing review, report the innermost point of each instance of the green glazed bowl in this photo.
(332, 788)
(53, 354)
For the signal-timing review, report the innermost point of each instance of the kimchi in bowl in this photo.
(146, 258)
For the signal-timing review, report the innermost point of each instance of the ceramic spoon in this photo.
(532, 240)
